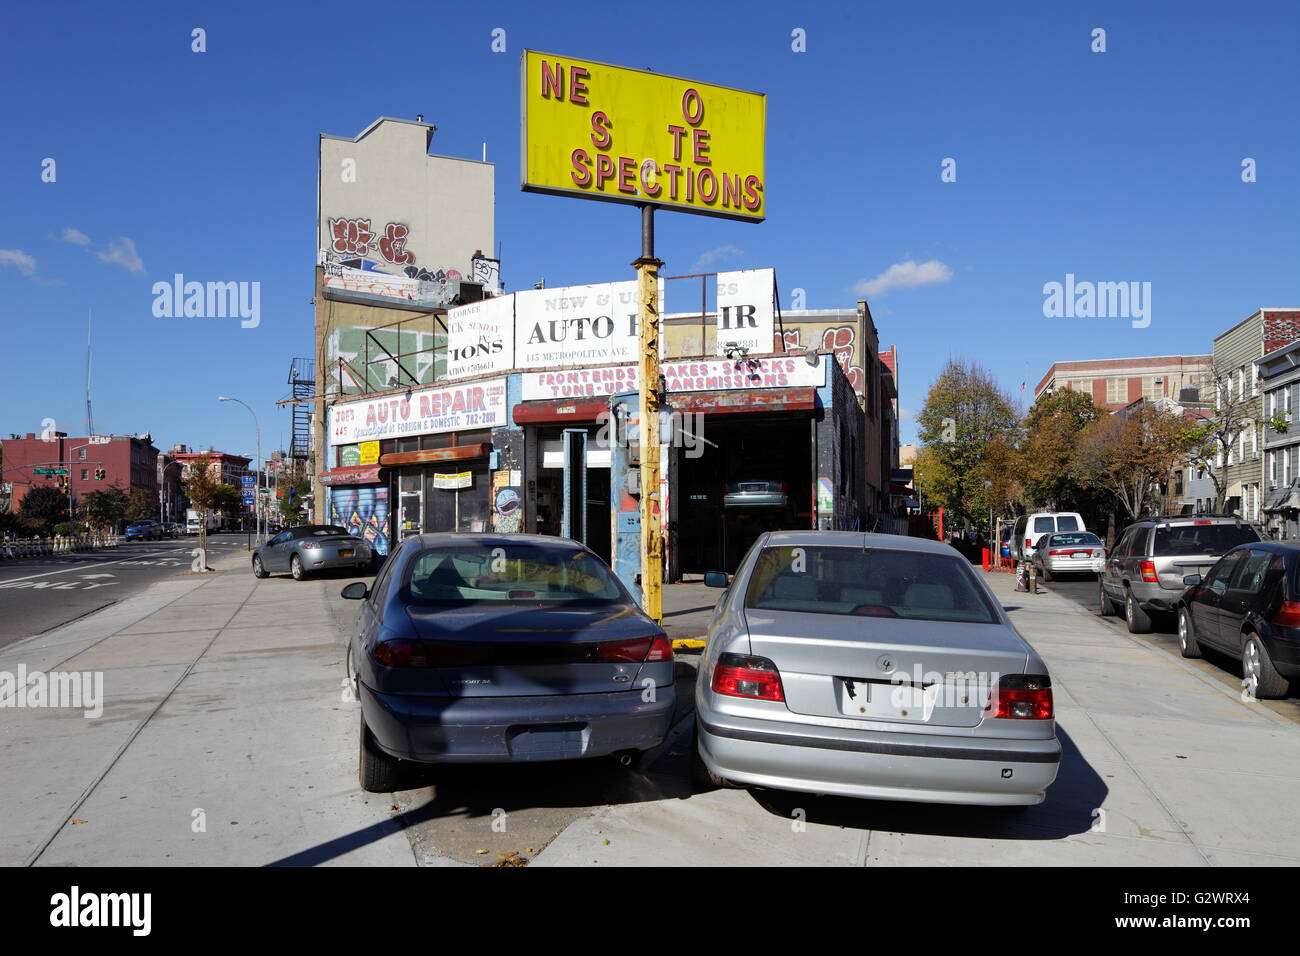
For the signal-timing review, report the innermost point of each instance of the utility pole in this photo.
(652, 552)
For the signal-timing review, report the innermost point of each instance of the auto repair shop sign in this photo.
(426, 412)
(606, 132)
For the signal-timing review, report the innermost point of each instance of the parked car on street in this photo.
(144, 531)
(870, 665)
(1069, 552)
(1029, 528)
(309, 548)
(484, 648)
(1248, 607)
(1144, 571)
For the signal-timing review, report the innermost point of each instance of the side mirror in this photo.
(356, 591)
(1191, 580)
(716, 579)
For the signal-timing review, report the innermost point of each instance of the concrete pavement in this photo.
(224, 738)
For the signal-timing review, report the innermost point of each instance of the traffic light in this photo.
(63, 484)
(99, 474)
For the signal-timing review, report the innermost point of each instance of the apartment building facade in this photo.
(1115, 383)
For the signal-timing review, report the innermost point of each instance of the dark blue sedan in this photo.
(1248, 607)
(483, 648)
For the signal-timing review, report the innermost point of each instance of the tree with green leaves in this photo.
(45, 504)
(105, 509)
(141, 505)
(966, 431)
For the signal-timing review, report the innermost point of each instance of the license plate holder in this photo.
(871, 700)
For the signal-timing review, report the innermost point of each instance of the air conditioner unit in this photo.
(463, 291)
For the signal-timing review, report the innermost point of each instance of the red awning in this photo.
(351, 475)
(561, 410)
(430, 455)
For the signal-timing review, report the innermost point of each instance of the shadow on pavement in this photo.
(1068, 809)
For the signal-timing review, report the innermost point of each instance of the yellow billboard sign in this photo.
(606, 132)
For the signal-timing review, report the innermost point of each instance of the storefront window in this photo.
(457, 497)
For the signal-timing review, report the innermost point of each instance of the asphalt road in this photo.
(38, 594)
(504, 815)
(1082, 590)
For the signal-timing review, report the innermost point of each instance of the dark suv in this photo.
(1144, 571)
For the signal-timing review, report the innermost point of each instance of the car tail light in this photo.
(661, 650)
(631, 651)
(739, 675)
(1288, 615)
(403, 654)
(1021, 697)
(1149, 572)
(1028, 543)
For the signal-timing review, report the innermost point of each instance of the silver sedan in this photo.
(1069, 552)
(869, 665)
(309, 548)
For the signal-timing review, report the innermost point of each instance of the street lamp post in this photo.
(256, 503)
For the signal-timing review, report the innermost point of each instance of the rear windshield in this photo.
(1076, 537)
(875, 582)
(1042, 525)
(324, 531)
(514, 574)
(1202, 538)
(1067, 523)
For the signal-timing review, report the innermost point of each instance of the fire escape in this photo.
(302, 381)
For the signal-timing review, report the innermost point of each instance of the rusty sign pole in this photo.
(647, 284)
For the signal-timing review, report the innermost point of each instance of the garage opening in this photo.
(759, 478)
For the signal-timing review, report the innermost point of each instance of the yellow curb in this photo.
(688, 642)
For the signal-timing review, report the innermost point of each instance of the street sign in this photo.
(607, 132)
(49, 471)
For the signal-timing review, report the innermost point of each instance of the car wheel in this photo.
(1137, 619)
(1259, 673)
(258, 570)
(378, 772)
(701, 775)
(1187, 635)
(353, 679)
(295, 567)
(1107, 608)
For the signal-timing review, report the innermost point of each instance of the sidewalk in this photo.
(688, 609)
(1162, 766)
(217, 688)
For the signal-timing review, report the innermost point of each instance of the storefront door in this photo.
(410, 515)
(459, 499)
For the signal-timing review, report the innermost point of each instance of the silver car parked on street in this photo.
(871, 665)
(309, 548)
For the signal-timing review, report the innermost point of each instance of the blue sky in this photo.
(1115, 166)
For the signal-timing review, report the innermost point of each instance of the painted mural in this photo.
(364, 512)
(362, 257)
(842, 340)
(349, 343)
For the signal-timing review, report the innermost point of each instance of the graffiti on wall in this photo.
(363, 258)
(352, 344)
(364, 512)
(841, 340)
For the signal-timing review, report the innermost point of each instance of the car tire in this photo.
(258, 570)
(1138, 621)
(1257, 667)
(1187, 642)
(296, 568)
(353, 678)
(1047, 572)
(701, 775)
(378, 772)
(1107, 606)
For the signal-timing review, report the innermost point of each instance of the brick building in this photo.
(128, 461)
(1115, 383)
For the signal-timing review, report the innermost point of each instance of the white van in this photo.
(1029, 528)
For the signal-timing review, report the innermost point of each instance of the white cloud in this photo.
(19, 260)
(76, 237)
(714, 256)
(905, 275)
(121, 252)
(904, 414)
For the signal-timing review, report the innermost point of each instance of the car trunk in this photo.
(494, 650)
(936, 673)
